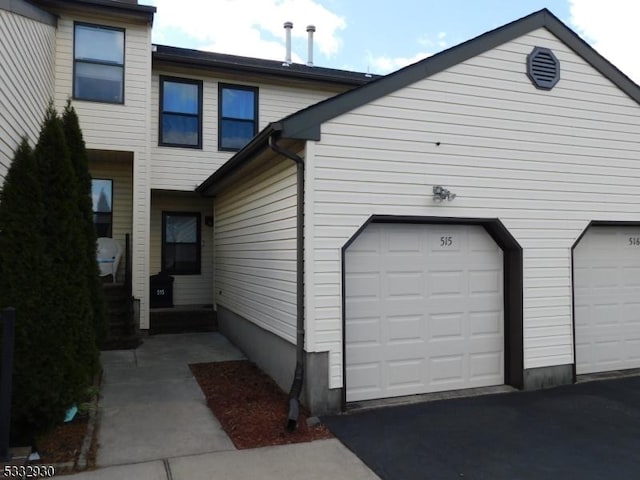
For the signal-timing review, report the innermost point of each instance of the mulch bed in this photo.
(250, 406)
(61, 447)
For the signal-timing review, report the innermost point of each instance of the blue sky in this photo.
(382, 35)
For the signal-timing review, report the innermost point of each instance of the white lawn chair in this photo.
(109, 253)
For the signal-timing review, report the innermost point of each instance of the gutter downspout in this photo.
(298, 377)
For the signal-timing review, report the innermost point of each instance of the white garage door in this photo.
(606, 265)
(424, 310)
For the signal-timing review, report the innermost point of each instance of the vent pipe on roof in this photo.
(287, 27)
(310, 30)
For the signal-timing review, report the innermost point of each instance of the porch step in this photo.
(123, 333)
(183, 319)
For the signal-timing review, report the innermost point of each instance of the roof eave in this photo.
(139, 12)
(312, 75)
(209, 187)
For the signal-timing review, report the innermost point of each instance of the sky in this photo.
(380, 36)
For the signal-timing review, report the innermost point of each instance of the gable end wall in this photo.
(544, 162)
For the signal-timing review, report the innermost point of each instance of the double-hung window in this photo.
(180, 112)
(98, 69)
(238, 116)
(102, 197)
(181, 243)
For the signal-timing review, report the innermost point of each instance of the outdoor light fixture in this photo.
(440, 193)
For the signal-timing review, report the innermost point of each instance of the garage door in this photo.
(424, 310)
(606, 265)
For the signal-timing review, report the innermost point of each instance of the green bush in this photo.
(43, 274)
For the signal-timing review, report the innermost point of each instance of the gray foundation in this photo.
(545, 377)
(277, 357)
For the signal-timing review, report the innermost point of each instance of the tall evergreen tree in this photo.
(46, 262)
(71, 305)
(80, 164)
(25, 271)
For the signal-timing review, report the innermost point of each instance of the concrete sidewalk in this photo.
(154, 422)
(319, 460)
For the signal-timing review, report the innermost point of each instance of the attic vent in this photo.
(543, 68)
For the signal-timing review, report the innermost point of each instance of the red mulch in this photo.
(63, 443)
(250, 406)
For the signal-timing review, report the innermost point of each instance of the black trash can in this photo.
(161, 291)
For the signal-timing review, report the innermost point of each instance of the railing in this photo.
(8, 318)
(127, 265)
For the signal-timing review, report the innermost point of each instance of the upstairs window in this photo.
(102, 197)
(180, 112)
(238, 116)
(98, 70)
(181, 243)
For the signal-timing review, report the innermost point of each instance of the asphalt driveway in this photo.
(586, 431)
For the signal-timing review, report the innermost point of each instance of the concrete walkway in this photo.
(155, 424)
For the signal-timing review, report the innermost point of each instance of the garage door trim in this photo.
(513, 289)
(592, 223)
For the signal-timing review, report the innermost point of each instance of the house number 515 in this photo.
(446, 241)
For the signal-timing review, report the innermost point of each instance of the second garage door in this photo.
(606, 279)
(423, 310)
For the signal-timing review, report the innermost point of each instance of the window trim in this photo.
(98, 62)
(198, 243)
(103, 213)
(190, 81)
(256, 113)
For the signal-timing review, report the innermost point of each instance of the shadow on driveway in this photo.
(585, 431)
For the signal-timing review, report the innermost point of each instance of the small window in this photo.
(98, 73)
(102, 197)
(181, 243)
(238, 116)
(180, 112)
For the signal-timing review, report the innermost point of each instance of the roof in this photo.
(305, 124)
(114, 7)
(201, 59)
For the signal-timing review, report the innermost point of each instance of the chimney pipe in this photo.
(310, 30)
(287, 27)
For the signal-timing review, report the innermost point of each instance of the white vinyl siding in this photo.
(27, 61)
(177, 168)
(544, 162)
(118, 127)
(122, 176)
(187, 289)
(255, 253)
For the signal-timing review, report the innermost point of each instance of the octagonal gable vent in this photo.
(543, 68)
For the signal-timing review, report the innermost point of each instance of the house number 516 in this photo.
(446, 241)
(634, 241)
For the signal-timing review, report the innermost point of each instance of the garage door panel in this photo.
(363, 331)
(404, 328)
(405, 373)
(448, 370)
(405, 284)
(363, 285)
(486, 324)
(485, 281)
(607, 299)
(437, 307)
(446, 326)
(449, 283)
(486, 365)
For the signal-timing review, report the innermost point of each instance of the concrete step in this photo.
(183, 319)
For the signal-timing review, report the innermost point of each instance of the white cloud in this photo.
(384, 64)
(612, 29)
(248, 27)
(430, 42)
